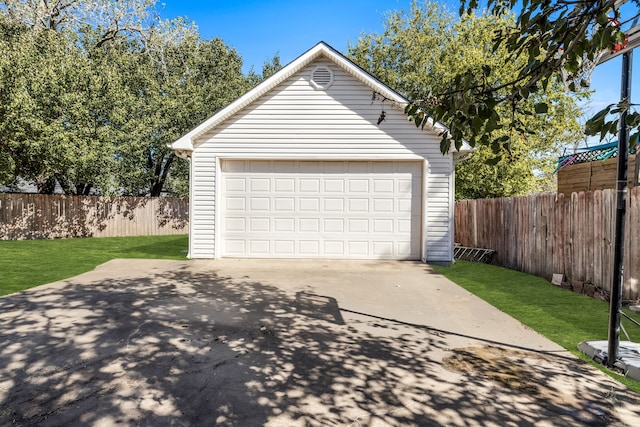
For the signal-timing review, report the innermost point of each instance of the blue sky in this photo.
(260, 29)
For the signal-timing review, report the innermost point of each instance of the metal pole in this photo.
(621, 206)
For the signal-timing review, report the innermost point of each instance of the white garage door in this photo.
(305, 209)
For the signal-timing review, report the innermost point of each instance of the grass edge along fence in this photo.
(549, 233)
(41, 216)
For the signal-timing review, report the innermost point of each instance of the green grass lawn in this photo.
(28, 263)
(561, 315)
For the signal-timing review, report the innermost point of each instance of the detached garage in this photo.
(318, 161)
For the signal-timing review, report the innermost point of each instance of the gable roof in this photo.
(185, 143)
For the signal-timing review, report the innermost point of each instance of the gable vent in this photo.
(321, 77)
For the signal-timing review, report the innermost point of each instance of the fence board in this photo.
(39, 216)
(546, 233)
(598, 241)
(591, 176)
(558, 254)
(634, 240)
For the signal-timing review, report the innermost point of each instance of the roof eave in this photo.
(186, 142)
(321, 49)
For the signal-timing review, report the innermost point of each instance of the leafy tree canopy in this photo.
(423, 50)
(546, 38)
(92, 91)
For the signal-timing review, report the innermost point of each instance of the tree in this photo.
(137, 18)
(167, 98)
(422, 50)
(91, 93)
(59, 98)
(550, 36)
(46, 108)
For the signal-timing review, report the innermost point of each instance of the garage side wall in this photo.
(440, 205)
(202, 204)
(298, 121)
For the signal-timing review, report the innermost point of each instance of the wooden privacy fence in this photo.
(549, 233)
(39, 216)
(591, 176)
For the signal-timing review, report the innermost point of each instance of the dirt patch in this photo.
(504, 366)
(536, 375)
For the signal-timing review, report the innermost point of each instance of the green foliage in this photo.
(483, 176)
(423, 50)
(271, 66)
(546, 38)
(91, 93)
(601, 124)
(165, 100)
(43, 127)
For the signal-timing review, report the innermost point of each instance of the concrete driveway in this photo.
(284, 343)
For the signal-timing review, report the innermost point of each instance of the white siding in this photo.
(296, 121)
(202, 205)
(440, 215)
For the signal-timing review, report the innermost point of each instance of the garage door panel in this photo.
(284, 225)
(309, 248)
(311, 225)
(333, 225)
(383, 249)
(359, 248)
(260, 184)
(358, 225)
(404, 226)
(321, 209)
(333, 204)
(284, 204)
(235, 203)
(309, 204)
(236, 224)
(383, 186)
(334, 247)
(235, 247)
(285, 185)
(260, 204)
(405, 249)
(259, 225)
(358, 205)
(406, 205)
(383, 225)
(383, 205)
(309, 185)
(358, 185)
(406, 186)
(334, 185)
(260, 247)
(235, 184)
(285, 247)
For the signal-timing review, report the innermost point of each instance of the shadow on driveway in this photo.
(183, 344)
